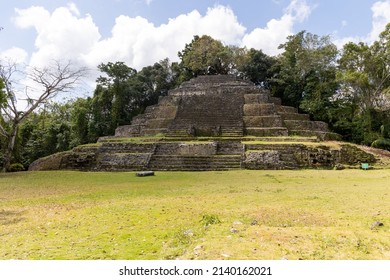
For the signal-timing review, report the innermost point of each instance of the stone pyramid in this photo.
(212, 123)
(221, 106)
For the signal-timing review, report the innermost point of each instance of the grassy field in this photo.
(306, 214)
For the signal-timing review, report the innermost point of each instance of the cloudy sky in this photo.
(141, 32)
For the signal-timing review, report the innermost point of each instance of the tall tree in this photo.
(122, 93)
(205, 56)
(257, 67)
(45, 82)
(115, 82)
(364, 76)
(306, 73)
(44, 132)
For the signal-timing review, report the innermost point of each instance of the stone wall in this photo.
(297, 156)
(204, 155)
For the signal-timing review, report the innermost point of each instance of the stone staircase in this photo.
(201, 156)
(194, 163)
(260, 116)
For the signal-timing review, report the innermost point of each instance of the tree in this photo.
(123, 93)
(257, 67)
(45, 132)
(205, 56)
(45, 83)
(156, 80)
(81, 117)
(305, 73)
(364, 77)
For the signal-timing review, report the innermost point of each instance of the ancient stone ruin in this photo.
(213, 123)
(221, 106)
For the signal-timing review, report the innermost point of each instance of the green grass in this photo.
(306, 214)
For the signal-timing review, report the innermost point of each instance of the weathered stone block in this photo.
(258, 109)
(352, 155)
(295, 116)
(254, 98)
(286, 109)
(268, 131)
(197, 149)
(262, 160)
(52, 162)
(127, 130)
(123, 161)
(263, 121)
(159, 123)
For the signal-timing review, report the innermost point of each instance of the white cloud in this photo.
(73, 8)
(275, 33)
(60, 35)
(36, 17)
(139, 42)
(380, 17)
(65, 34)
(299, 10)
(14, 55)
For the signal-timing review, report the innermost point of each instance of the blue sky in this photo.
(141, 32)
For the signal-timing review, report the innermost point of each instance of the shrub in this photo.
(385, 131)
(210, 219)
(15, 167)
(381, 143)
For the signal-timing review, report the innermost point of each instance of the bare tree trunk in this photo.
(10, 148)
(52, 80)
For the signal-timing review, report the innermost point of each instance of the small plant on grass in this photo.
(210, 220)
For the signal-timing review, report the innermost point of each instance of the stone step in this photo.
(259, 109)
(230, 148)
(286, 109)
(232, 132)
(295, 125)
(274, 146)
(120, 147)
(213, 158)
(168, 101)
(127, 131)
(268, 131)
(282, 139)
(181, 163)
(152, 132)
(158, 123)
(110, 167)
(178, 134)
(256, 98)
(322, 135)
(276, 100)
(122, 161)
(295, 117)
(263, 121)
